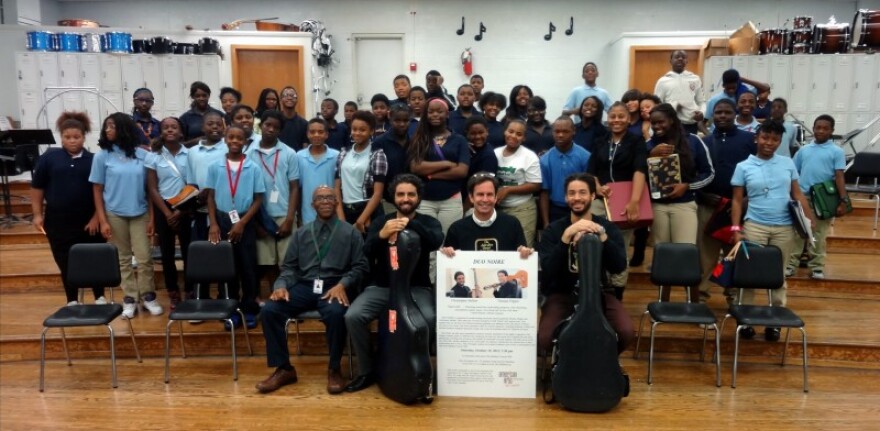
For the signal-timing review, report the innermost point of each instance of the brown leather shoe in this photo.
(335, 382)
(279, 378)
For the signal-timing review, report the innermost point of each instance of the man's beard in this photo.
(584, 211)
(407, 213)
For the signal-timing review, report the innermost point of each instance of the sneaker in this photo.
(72, 303)
(250, 320)
(771, 334)
(152, 305)
(789, 271)
(817, 274)
(101, 301)
(747, 332)
(236, 320)
(129, 308)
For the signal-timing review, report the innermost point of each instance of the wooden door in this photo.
(653, 62)
(257, 67)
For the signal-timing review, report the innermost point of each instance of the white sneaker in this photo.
(818, 275)
(72, 303)
(101, 301)
(153, 307)
(129, 309)
(789, 271)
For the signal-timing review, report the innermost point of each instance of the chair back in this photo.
(93, 265)
(758, 267)
(676, 265)
(210, 263)
(865, 165)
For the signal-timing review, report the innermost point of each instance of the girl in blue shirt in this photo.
(166, 178)
(360, 175)
(119, 185)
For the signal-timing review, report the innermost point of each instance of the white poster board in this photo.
(487, 324)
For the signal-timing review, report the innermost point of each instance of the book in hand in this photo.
(187, 195)
(800, 221)
(663, 173)
(615, 206)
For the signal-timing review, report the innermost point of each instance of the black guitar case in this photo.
(586, 375)
(405, 373)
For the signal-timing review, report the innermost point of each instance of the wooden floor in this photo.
(202, 395)
(842, 314)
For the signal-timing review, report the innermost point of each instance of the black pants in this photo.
(353, 212)
(63, 231)
(245, 264)
(167, 235)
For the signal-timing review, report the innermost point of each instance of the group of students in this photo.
(257, 173)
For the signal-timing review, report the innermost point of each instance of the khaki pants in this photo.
(129, 235)
(446, 211)
(816, 251)
(271, 250)
(527, 214)
(675, 223)
(710, 251)
(780, 236)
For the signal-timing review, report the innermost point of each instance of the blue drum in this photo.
(69, 42)
(40, 41)
(118, 42)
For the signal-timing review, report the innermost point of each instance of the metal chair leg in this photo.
(168, 349)
(703, 349)
(717, 356)
(806, 382)
(234, 355)
(639, 336)
(134, 341)
(735, 355)
(180, 333)
(42, 356)
(112, 356)
(299, 350)
(785, 347)
(247, 336)
(651, 354)
(64, 343)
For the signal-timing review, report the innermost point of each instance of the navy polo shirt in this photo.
(586, 137)
(192, 123)
(496, 133)
(395, 154)
(149, 128)
(457, 120)
(455, 150)
(337, 138)
(539, 143)
(482, 160)
(726, 150)
(64, 180)
(293, 132)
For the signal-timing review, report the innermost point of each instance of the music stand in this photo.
(22, 149)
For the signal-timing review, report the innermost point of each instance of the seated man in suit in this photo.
(314, 278)
(560, 274)
(407, 190)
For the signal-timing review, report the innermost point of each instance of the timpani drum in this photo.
(831, 38)
(866, 29)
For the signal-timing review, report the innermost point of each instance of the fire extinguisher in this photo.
(467, 62)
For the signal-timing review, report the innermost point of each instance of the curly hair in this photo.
(126, 134)
(74, 120)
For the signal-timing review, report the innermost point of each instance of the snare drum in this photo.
(162, 45)
(92, 42)
(118, 42)
(866, 29)
(142, 46)
(774, 41)
(831, 39)
(803, 22)
(40, 41)
(185, 48)
(801, 41)
(209, 46)
(68, 42)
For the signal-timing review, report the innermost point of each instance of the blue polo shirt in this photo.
(768, 187)
(338, 136)
(455, 150)
(817, 163)
(556, 166)
(578, 94)
(171, 181)
(457, 120)
(249, 183)
(200, 157)
(411, 129)
(124, 181)
(64, 180)
(314, 173)
(276, 176)
(726, 149)
(148, 127)
(721, 95)
(789, 139)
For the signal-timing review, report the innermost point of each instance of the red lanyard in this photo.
(274, 165)
(233, 187)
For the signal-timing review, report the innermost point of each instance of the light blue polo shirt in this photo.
(579, 93)
(200, 158)
(767, 184)
(789, 139)
(124, 181)
(275, 178)
(171, 182)
(556, 166)
(249, 183)
(817, 163)
(353, 169)
(314, 173)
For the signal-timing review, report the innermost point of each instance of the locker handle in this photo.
(83, 73)
(19, 75)
(857, 85)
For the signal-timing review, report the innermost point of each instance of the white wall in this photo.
(512, 51)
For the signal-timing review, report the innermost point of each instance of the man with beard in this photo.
(558, 263)
(314, 278)
(459, 290)
(406, 189)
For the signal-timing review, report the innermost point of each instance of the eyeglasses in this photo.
(144, 100)
(324, 198)
(288, 96)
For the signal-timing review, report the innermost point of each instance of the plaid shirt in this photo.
(375, 173)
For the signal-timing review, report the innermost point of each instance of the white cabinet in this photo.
(209, 68)
(172, 87)
(801, 84)
(132, 79)
(842, 88)
(712, 75)
(28, 71)
(111, 73)
(821, 82)
(29, 103)
(780, 76)
(865, 83)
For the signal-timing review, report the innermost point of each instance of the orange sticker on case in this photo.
(393, 258)
(392, 321)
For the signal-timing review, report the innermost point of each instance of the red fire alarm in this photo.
(412, 67)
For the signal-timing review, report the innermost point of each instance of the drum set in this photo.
(828, 38)
(115, 42)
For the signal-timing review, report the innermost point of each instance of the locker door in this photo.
(821, 83)
(209, 70)
(132, 79)
(112, 98)
(27, 71)
(801, 85)
(842, 88)
(68, 69)
(172, 87)
(865, 83)
(152, 70)
(49, 77)
(712, 76)
(111, 73)
(759, 69)
(780, 76)
(29, 103)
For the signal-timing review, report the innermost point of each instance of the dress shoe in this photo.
(335, 382)
(771, 334)
(279, 378)
(361, 382)
(747, 332)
